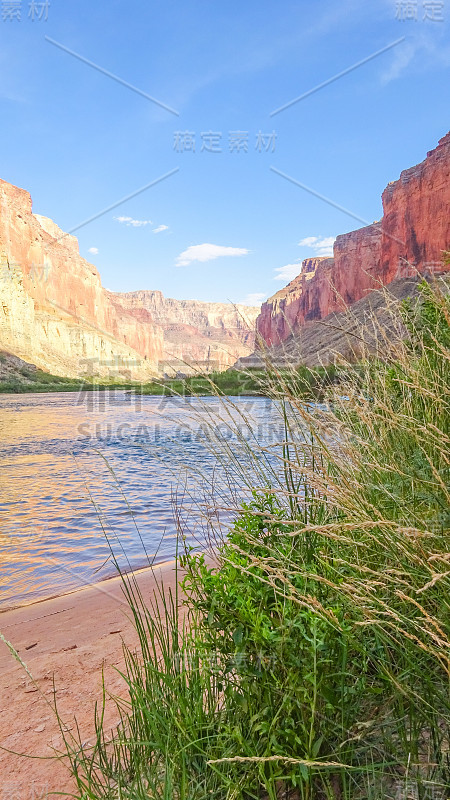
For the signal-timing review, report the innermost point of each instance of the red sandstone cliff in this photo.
(416, 221)
(54, 310)
(411, 236)
(55, 313)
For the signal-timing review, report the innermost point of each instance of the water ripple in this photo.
(76, 471)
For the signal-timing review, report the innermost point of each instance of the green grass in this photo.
(310, 660)
(314, 383)
(235, 383)
(36, 380)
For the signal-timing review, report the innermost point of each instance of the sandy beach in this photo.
(67, 640)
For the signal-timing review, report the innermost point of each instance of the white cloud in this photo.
(400, 61)
(135, 223)
(308, 241)
(160, 228)
(321, 247)
(93, 250)
(288, 272)
(254, 299)
(207, 252)
(424, 53)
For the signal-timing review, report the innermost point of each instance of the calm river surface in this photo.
(74, 468)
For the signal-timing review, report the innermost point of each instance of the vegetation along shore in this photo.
(310, 659)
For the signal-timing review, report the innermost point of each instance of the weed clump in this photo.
(308, 656)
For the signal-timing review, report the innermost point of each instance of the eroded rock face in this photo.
(410, 238)
(416, 221)
(279, 315)
(337, 338)
(197, 335)
(54, 310)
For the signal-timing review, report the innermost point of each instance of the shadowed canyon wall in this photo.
(410, 238)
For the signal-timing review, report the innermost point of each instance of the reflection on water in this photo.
(75, 470)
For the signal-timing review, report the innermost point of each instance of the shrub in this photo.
(312, 659)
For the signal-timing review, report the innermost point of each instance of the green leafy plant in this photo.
(308, 656)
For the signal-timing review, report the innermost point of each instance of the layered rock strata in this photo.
(56, 314)
(54, 311)
(197, 335)
(410, 239)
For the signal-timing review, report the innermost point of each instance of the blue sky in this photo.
(80, 141)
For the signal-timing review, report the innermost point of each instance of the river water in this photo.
(79, 470)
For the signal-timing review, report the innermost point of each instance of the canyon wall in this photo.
(54, 311)
(56, 314)
(410, 238)
(416, 221)
(197, 335)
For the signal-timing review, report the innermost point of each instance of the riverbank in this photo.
(65, 642)
(316, 660)
(310, 382)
